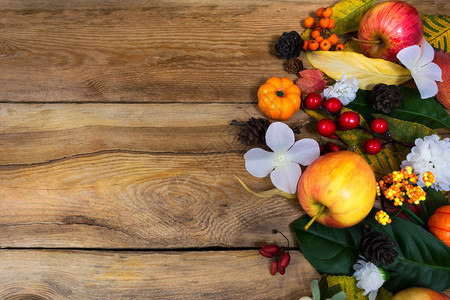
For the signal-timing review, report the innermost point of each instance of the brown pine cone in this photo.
(377, 248)
(386, 98)
(253, 131)
(294, 65)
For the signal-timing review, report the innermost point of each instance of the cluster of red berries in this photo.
(280, 254)
(347, 120)
(321, 36)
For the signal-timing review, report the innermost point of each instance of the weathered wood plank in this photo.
(37, 133)
(195, 51)
(139, 200)
(34, 274)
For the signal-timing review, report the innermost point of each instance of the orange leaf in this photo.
(311, 81)
(442, 59)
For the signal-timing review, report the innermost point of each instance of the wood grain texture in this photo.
(139, 200)
(47, 274)
(39, 133)
(146, 51)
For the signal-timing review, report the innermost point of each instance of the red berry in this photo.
(326, 127)
(281, 269)
(269, 250)
(280, 252)
(285, 259)
(313, 101)
(333, 105)
(333, 147)
(379, 125)
(349, 120)
(372, 146)
(273, 267)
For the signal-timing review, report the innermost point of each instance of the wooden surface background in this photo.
(116, 153)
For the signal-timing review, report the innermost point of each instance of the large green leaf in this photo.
(422, 260)
(347, 14)
(436, 30)
(329, 250)
(428, 112)
(435, 199)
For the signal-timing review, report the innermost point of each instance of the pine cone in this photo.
(289, 45)
(294, 65)
(377, 248)
(253, 131)
(386, 98)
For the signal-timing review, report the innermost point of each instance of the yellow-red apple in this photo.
(387, 28)
(419, 293)
(338, 189)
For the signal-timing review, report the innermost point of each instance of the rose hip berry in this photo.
(326, 127)
(379, 125)
(372, 146)
(313, 101)
(349, 120)
(333, 105)
(269, 250)
(273, 267)
(333, 147)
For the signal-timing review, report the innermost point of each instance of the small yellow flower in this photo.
(382, 217)
(428, 178)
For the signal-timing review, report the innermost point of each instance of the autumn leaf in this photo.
(311, 81)
(368, 71)
(442, 59)
(436, 30)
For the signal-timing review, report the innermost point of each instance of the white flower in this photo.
(370, 278)
(283, 162)
(431, 154)
(345, 90)
(424, 72)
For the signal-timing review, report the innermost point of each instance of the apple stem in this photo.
(315, 217)
(368, 42)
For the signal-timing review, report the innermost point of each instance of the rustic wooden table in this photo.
(116, 153)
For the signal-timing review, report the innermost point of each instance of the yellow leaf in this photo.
(368, 71)
(348, 285)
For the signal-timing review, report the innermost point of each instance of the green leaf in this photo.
(436, 30)
(328, 250)
(423, 259)
(428, 112)
(347, 14)
(435, 199)
(406, 131)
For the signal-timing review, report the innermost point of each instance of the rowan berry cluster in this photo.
(321, 36)
(280, 254)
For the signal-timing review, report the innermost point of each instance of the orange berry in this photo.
(333, 39)
(327, 12)
(319, 38)
(324, 22)
(319, 12)
(315, 34)
(331, 24)
(313, 45)
(339, 47)
(309, 22)
(305, 45)
(325, 44)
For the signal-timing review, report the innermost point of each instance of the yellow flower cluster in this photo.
(400, 186)
(382, 217)
(428, 178)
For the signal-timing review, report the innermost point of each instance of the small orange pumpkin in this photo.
(439, 224)
(279, 98)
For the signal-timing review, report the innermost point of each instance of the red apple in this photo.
(389, 27)
(419, 293)
(338, 189)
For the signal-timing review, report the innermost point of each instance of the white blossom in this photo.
(370, 278)
(424, 72)
(283, 162)
(345, 90)
(431, 154)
